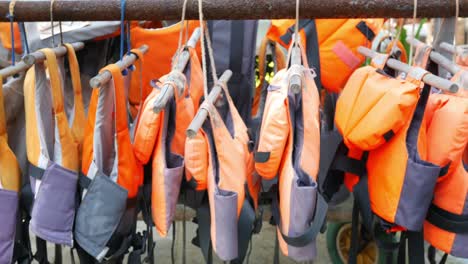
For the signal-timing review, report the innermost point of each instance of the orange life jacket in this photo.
(10, 185)
(162, 137)
(52, 148)
(224, 168)
(158, 60)
(446, 227)
(338, 40)
(289, 146)
(111, 173)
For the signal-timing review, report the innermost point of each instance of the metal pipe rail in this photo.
(103, 10)
(167, 90)
(437, 57)
(102, 78)
(35, 57)
(202, 114)
(430, 79)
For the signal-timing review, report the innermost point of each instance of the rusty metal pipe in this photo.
(85, 10)
(102, 78)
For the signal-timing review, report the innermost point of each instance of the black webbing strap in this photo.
(203, 232)
(276, 256)
(35, 171)
(58, 254)
(244, 231)
(431, 256)
(415, 243)
(83, 181)
(353, 250)
(237, 46)
(365, 30)
(447, 221)
(315, 227)
(41, 251)
(347, 164)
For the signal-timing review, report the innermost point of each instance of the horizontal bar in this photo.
(437, 57)
(430, 79)
(85, 10)
(448, 47)
(35, 57)
(167, 90)
(202, 114)
(102, 78)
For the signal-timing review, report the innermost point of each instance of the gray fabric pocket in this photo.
(8, 212)
(225, 203)
(302, 208)
(53, 211)
(413, 205)
(99, 215)
(172, 181)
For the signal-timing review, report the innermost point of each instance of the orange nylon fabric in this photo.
(162, 44)
(368, 98)
(5, 36)
(130, 172)
(69, 147)
(447, 135)
(10, 178)
(79, 115)
(135, 92)
(333, 35)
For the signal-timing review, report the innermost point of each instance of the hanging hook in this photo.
(12, 30)
(122, 33)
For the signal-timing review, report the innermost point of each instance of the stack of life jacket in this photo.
(219, 166)
(160, 138)
(53, 142)
(446, 227)
(336, 41)
(289, 148)
(111, 175)
(10, 185)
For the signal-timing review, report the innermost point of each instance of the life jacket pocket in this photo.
(8, 213)
(99, 215)
(53, 211)
(172, 180)
(225, 220)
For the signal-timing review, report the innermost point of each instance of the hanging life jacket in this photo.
(161, 136)
(106, 218)
(446, 227)
(219, 160)
(52, 149)
(288, 146)
(338, 40)
(10, 185)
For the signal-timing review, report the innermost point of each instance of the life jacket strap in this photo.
(366, 30)
(447, 221)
